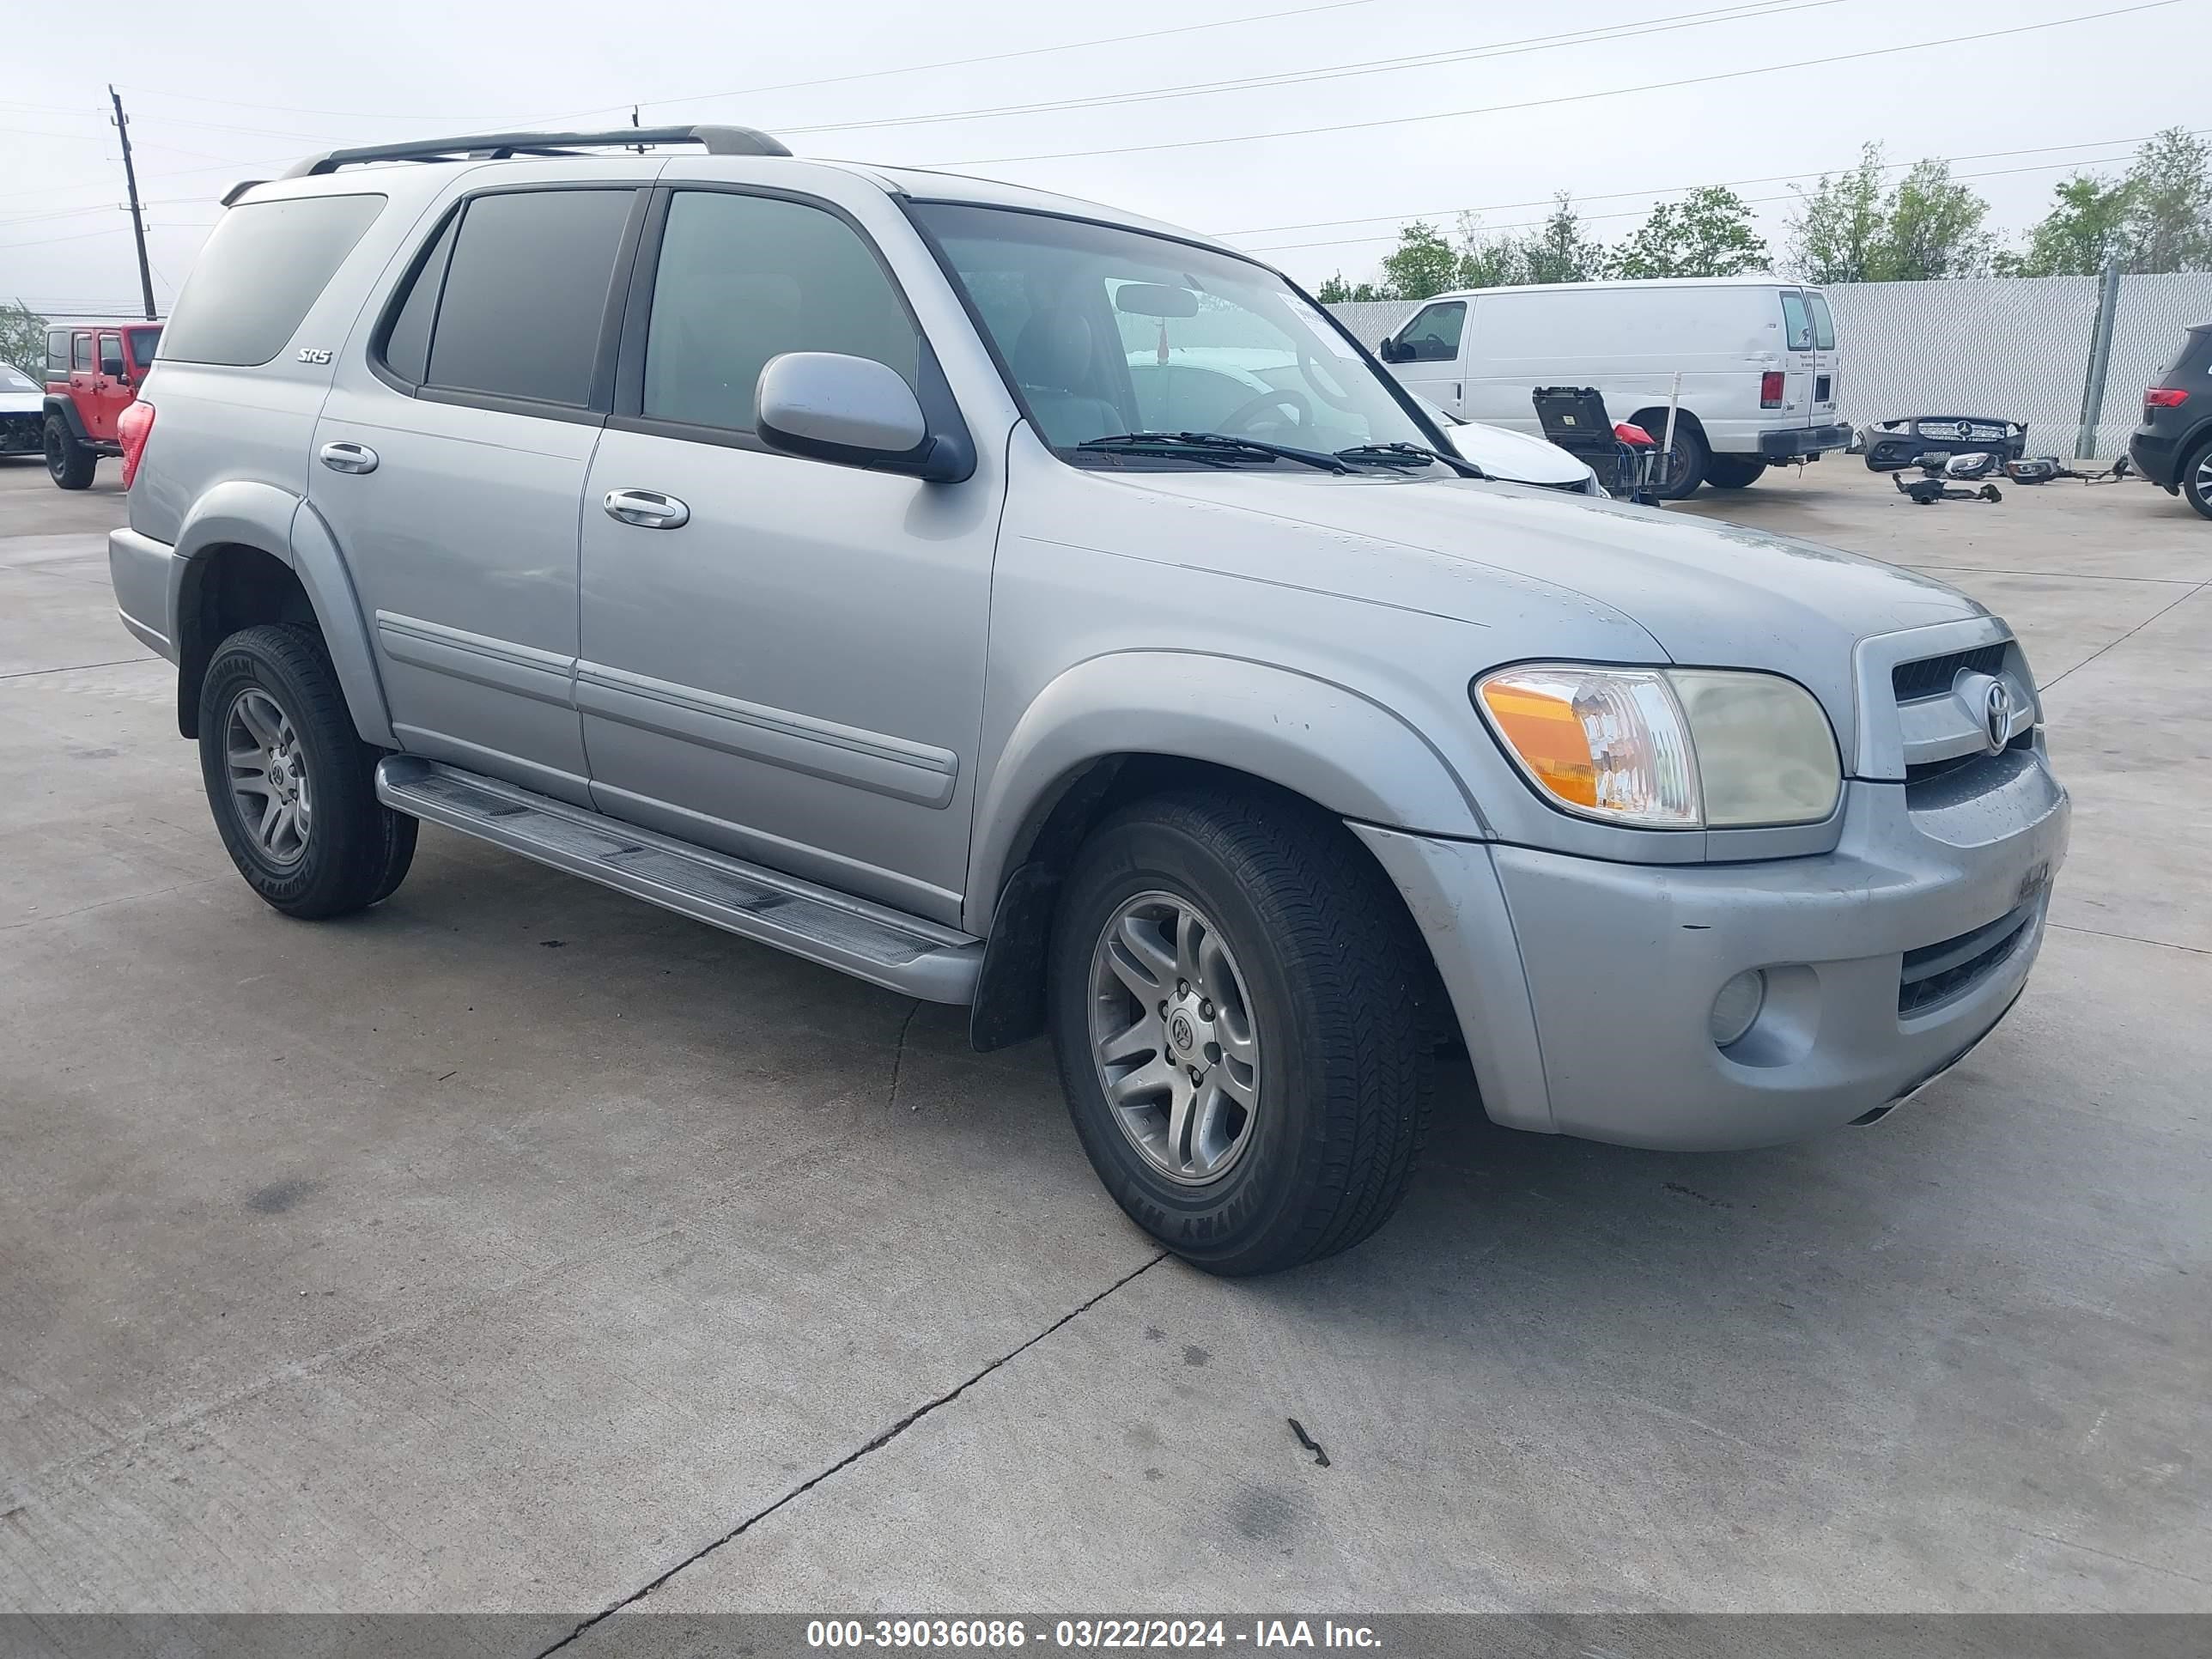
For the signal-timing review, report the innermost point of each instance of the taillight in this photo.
(132, 428)
(1769, 389)
(2164, 397)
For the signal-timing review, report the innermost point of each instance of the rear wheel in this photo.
(2197, 478)
(69, 463)
(1734, 471)
(292, 785)
(1676, 474)
(1234, 992)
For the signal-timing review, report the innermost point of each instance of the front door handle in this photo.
(349, 457)
(649, 509)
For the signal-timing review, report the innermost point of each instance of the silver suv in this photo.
(1022, 605)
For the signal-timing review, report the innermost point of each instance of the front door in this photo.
(788, 665)
(452, 454)
(1428, 355)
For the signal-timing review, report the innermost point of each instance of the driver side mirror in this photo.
(1390, 351)
(856, 412)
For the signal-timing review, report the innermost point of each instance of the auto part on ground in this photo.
(2044, 468)
(1892, 446)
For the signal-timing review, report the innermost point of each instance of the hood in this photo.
(1514, 456)
(21, 403)
(1708, 594)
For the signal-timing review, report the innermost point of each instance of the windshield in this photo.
(144, 342)
(14, 379)
(1106, 331)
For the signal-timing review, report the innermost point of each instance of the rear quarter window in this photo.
(266, 264)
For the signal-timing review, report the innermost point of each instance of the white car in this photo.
(22, 412)
(1194, 388)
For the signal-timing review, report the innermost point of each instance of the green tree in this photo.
(2169, 207)
(1487, 259)
(2078, 236)
(1422, 262)
(1562, 251)
(1934, 229)
(23, 339)
(1836, 234)
(1335, 291)
(1707, 234)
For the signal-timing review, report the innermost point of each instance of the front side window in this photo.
(1433, 337)
(1824, 325)
(1796, 322)
(110, 354)
(1105, 331)
(265, 265)
(524, 298)
(745, 278)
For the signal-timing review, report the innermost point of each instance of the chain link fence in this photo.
(2014, 347)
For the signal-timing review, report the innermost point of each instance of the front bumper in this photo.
(1584, 987)
(22, 434)
(1803, 443)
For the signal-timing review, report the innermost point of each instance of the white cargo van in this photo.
(1757, 357)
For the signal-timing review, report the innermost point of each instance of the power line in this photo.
(1597, 36)
(1976, 38)
(1142, 35)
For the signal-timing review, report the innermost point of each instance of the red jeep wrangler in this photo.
(94, 370)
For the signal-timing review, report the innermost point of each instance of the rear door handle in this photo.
(649, 509)
(349, 457)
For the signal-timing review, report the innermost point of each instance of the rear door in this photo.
(83, 372)
(1800, 359)
(1429, 354)
(453, 453)
(111, 384)
(1825, 366)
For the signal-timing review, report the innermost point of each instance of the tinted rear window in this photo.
(1824, 325)
(265, 265)
(525, 294)
(1796, 324)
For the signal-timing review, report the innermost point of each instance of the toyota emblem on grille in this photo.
(1996, 715)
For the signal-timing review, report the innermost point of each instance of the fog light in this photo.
(1737, 1006)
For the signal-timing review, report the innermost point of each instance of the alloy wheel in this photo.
(267, 773)
(1172, 1037)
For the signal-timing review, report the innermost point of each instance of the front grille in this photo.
(1935, 974)
(1921, 772)
(1931, 676)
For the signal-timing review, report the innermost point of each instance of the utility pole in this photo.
(138, 217)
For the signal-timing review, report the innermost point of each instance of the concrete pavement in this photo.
(516, 1246)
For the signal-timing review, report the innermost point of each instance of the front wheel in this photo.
(2197, 478)
(69, 463)
(1235, 1001)
(292, 785)
(1734, 471)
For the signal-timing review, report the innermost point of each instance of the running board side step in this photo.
(884, 946)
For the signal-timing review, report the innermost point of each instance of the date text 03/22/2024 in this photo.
(1112, 1634)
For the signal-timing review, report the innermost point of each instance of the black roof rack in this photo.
(499, 146)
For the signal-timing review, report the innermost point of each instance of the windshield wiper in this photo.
(1212, 445)
(1408, 455)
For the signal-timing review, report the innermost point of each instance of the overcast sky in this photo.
(221, 89)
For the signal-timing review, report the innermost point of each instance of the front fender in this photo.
(1334, 746)
(243, 513)
(66, 408)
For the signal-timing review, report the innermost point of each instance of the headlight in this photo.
(1667, 748)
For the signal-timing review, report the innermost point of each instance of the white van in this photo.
(1757, 357)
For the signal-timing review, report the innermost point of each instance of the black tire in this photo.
(69, 463)
(1676, 475)
(1336, 981)
(356, 850)
(1734, 471)
(2197, 478)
